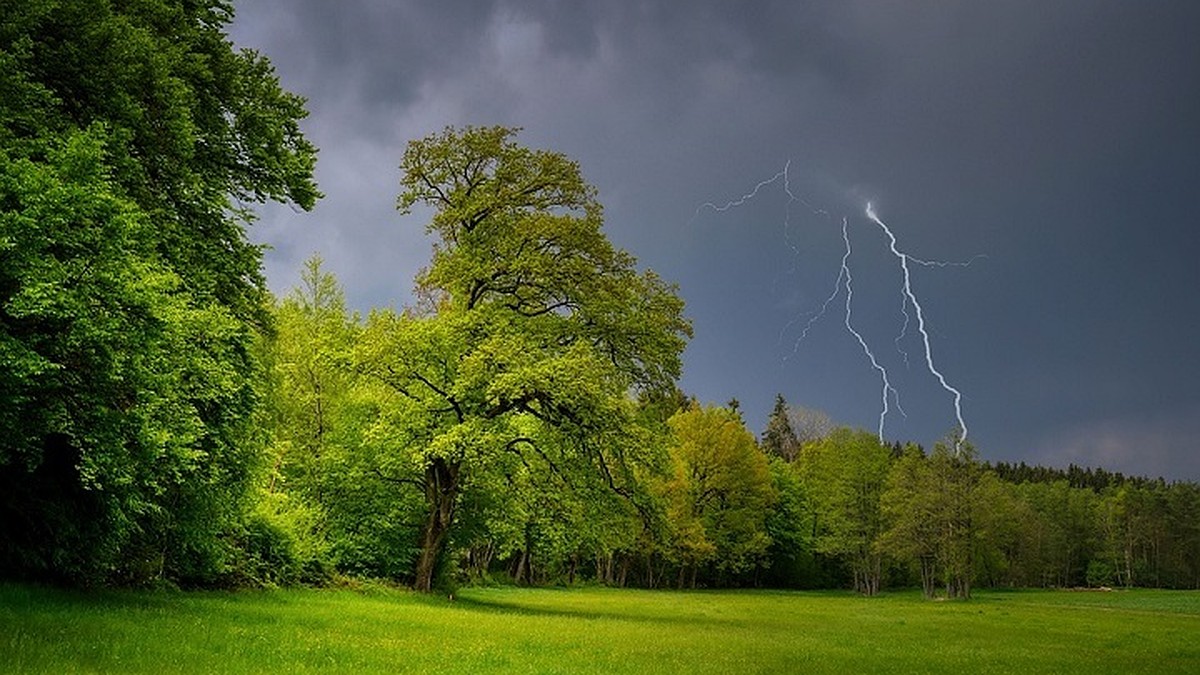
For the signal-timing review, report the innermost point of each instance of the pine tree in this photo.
(778, 438)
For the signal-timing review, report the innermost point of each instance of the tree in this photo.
(789, 526)
(808, 424)
(956, 475)
(845, 474)
(131, 303)
(778, 439)
(326, 476)
(999, 516)
(314, 336)
(718, 495)
(909, 504)
(1062, 532)
(934, 508)
(533, 332)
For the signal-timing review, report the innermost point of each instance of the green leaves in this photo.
(130, 299)
(519, 233)
(719, 494)
(480, 178)
(845, 474)
(535, 330)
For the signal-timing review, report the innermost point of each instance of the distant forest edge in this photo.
(166, 421)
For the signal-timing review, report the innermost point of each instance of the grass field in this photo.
(595, 630)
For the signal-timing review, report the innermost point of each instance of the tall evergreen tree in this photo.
(778, 439)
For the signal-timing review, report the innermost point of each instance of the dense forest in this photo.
(165, 420)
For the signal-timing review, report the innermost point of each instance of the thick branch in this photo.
(511, 446)
(419, 484)
(449, 399)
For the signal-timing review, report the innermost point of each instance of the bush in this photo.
(279, 545)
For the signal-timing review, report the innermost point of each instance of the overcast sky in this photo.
(1060, 140)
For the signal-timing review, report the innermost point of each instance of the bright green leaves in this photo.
(480, 178)
(198, 119)
(544, 316)
(104, 351)
(333, 455)
(537, 330)
(72, 258)
(719, 493)
(937, 517)
(519, 233)
(845, 474)
(193, 125)
(314, 336)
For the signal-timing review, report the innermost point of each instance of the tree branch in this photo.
(416, 482)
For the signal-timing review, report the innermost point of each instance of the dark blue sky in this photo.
(1061, 140)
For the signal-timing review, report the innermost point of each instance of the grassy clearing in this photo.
(595, 630)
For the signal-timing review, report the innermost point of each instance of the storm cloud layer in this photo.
(1060, 140)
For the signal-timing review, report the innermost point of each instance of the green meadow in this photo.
(595, 630)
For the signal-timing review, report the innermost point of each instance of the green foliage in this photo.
(718, 495)
(534, 330)
(130, 300)
(1060, 533)
(844, 475)
(109, 374)
(778, 438)
(934, 513)
(789, 526)
(1099, 574)
(329, 456)
(518, 233)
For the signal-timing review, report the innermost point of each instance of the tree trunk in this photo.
(928, 576)
(604, 568)
(441, 494)
(522, 561)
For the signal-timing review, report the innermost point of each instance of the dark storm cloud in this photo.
(376, 52)
(1057, 138)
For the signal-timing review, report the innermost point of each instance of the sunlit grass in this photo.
(595, 630)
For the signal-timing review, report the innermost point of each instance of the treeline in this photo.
(710, 505)
(1075, 476)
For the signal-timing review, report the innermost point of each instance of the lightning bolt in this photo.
(911, 297)
(741, 201)
(845, 274)
(845, 280)
(904, 296)
(782, 176)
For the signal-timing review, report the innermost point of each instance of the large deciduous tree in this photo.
(131, 136)
(533, 332)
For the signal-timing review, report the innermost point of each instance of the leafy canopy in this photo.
(533, 333)
(131, 136)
